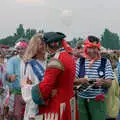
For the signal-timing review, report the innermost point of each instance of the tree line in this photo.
(108, 39)
(20, 34)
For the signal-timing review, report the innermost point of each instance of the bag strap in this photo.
(82, 67)
(101, 69)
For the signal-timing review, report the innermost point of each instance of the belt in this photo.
(16, 92)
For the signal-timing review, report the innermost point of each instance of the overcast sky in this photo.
(73, 17)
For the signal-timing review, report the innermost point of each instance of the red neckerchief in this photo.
(91, 60)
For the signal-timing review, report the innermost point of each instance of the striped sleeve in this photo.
(108, 71)
(77, 67)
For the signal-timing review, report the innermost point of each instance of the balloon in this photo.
(66, 17)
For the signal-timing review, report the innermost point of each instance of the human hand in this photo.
(31, 118)
(99, 82)
(23, 82)
(12, 78)
(29, 82)
(80, 81)
(83, 80)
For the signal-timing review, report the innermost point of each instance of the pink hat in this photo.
(21, 44)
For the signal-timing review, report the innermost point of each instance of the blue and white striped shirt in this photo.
(92, 73)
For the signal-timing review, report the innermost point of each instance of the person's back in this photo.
(63, 85)
(66, 78)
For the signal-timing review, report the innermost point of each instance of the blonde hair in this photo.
(33, 47)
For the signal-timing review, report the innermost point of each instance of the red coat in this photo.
(60, 78)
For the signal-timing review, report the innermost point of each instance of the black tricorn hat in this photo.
(51, 37)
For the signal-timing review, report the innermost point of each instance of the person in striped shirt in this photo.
(94, 74)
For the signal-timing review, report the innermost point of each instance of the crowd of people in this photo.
(49, 80)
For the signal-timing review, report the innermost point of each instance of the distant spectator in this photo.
(79, 50)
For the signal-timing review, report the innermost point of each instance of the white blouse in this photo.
(31, 108)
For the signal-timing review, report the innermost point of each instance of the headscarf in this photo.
(88, 44)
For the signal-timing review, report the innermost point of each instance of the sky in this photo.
(73, 17)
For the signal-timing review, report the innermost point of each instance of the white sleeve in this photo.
(26, 90)
(77, 67)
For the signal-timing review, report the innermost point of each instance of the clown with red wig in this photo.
(94, 74)
(15, 69)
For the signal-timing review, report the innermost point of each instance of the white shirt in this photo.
(31, 108)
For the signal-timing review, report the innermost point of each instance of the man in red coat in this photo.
(59, 76)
